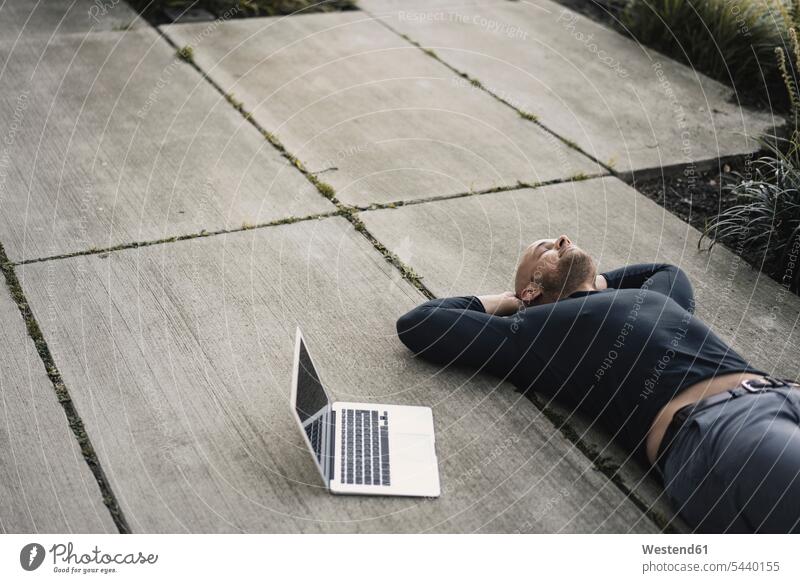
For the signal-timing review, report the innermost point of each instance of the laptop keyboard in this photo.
(314, 432)
(365, 447)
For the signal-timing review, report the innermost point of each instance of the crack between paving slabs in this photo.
(294, 219)
(494, 190)
(62, 394)
(526, 115)
(200, 235)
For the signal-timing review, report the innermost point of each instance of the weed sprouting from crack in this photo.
(185, 53)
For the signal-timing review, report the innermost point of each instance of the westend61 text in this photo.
(675, 550)
(97, 557)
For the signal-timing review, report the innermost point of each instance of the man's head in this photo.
(551, 269)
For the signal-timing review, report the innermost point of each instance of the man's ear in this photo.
(530, 293)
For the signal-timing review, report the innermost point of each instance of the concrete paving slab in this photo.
(471, 246)
(626, 106)
(374, 116)
(23, 19)
(109, 139)
(45, 484)
(179, 358)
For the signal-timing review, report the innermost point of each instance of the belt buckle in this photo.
(773, 384)
(746, 384)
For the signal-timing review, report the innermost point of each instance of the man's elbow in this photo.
(408, 329)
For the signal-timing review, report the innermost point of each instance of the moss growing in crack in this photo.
(238, 105)
(570, 143)
(290, 219)
(185, 53)
(528, 115)
(326, 190)
(578, 176)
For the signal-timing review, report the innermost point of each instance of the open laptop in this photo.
(363, 448)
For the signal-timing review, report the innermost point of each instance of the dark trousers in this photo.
(735, 466)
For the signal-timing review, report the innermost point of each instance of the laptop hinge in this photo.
(332, 446)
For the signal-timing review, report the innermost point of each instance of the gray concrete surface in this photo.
(108, 139)
(625, 105)
(23, 19)
(178, 357)
(471, 246)
(45, 484)
(377, 118)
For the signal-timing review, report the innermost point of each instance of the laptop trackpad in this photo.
(413, 451)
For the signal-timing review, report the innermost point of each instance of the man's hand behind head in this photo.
(502, 304)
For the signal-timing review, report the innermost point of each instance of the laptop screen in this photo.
(311, 396)
(313, 409)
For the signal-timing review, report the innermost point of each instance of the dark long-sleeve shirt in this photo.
(617, 355)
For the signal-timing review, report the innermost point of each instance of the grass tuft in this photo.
(732, 41)
(325, 189)
(764, 222)
(185, 53)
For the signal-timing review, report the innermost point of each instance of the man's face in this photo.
(552, 268)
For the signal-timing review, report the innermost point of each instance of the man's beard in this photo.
(574, 269)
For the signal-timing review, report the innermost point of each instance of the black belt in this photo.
(747, 386)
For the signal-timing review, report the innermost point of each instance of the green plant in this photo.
(732, 41)
(185, 53)
(764, 224)
(788, 67)
(765, 221)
